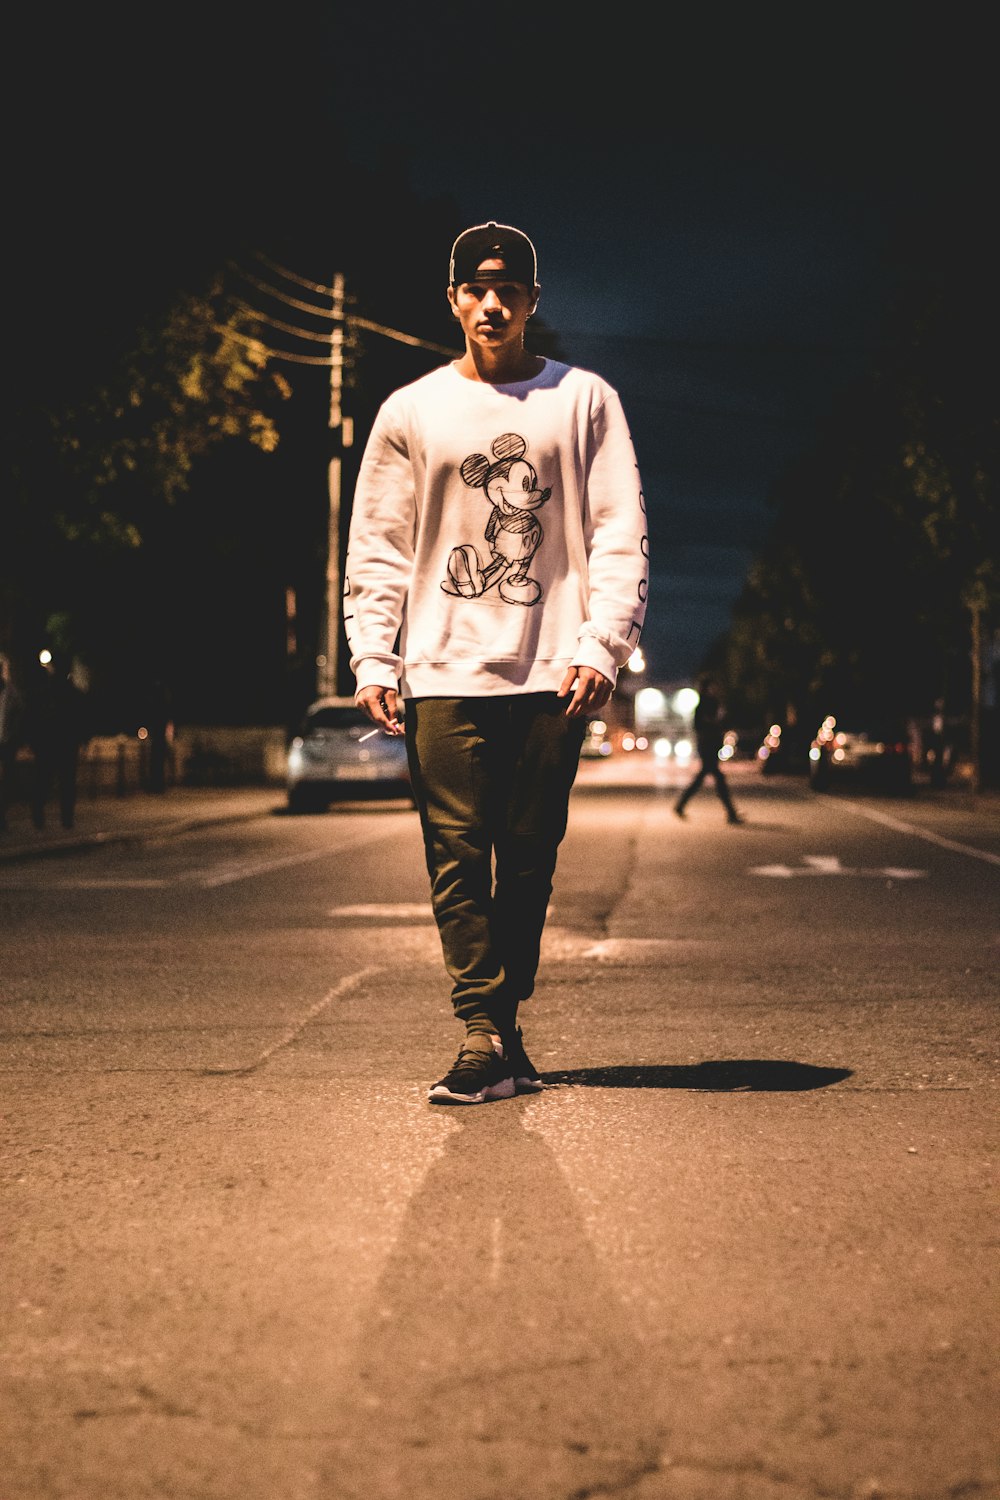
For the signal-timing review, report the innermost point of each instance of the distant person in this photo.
(939, 750)
(55, 729)
(709, 730)
(160, 728)
(497, 569)
(11, 736)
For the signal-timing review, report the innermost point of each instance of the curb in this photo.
(82, 843)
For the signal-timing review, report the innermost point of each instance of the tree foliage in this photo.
(885, 534)
(124, 450)
(92, 472)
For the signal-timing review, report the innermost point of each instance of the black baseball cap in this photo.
(493, 241)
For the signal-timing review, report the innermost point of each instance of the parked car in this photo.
(338, 754)
(876, 753)
(783, 751)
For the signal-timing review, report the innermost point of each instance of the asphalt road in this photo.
(743, 1247)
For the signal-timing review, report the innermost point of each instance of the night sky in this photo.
(724, 198)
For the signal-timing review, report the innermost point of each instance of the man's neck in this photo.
(500, 366)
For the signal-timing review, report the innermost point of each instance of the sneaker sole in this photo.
(502, 1090)
(528, 1085)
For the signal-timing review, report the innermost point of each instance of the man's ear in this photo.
(451, 299)
(536, 293)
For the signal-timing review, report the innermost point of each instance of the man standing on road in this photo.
(496, 578)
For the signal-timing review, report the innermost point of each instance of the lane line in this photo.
(405, 910)
(109, 884)
(921, 833)
(251, 868)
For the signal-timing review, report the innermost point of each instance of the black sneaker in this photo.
(526, 1076)
(480, 1072)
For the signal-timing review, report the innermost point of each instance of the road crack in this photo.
(344, 987)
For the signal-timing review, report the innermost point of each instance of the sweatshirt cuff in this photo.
(591, 653)
(374, 673)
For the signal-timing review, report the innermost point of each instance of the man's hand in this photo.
(590, 690)
(380, 705)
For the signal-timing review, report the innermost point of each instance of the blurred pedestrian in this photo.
(498, 530)
(938, 748)
(11, 735)
(160, 729)
(55, 728)
(709, 731)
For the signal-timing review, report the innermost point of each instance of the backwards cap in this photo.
(493, 241)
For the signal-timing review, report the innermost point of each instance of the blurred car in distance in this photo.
(784, 751)
(336, 756)
(872, 753)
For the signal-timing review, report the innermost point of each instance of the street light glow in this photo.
(650, 703)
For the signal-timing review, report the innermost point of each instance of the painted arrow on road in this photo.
(829, 864)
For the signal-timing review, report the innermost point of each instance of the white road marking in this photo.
(829, 864)
(104, 885)
(920, 833)
(226, 874)
(496, 1249)
(408, 910)
(629, 950)
(250, 868)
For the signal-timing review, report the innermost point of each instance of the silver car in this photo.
(338, 754)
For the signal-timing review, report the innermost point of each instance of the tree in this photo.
(885, 549)
(93, 476)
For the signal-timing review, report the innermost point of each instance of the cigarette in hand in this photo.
(367, 736)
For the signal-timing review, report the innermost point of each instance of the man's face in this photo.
(492, 311)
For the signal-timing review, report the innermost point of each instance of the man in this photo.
(496, 580)
(11, 723)
(709, 726)
(55, 730)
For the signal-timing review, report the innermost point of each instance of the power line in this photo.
(310, 286)
(296, 359)
(350, 319)
(280, 296)
(404, 338)
(299, 333)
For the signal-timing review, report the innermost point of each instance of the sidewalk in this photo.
(137, 816)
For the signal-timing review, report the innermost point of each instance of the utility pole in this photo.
(341, 438)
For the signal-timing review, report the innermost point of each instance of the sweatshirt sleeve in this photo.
(617, 544)
(380, 550)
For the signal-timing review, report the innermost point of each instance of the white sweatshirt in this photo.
(497, 538)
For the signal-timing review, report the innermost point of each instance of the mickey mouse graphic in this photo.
(513, 533)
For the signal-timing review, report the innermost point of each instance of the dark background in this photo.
(728, 204)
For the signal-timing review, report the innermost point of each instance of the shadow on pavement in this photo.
(496, 1358)
(728, 1076)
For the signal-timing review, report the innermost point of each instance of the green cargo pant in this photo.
(492, 778)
